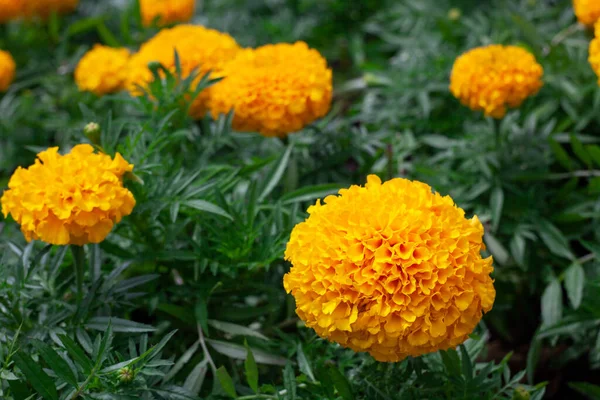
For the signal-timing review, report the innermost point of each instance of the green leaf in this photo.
(77, 353)
(276, 173)
(533, 357)
(554, 239)
(236, 330)
(118, 325)
(551, 304)
(238, 352)
(593, 247)
(56, 363)
(467, 365)
(587, 389)
(303, 363)
(574, 282)
(310, 193)
(251, 369)
(201, 311)
(107, 37)
(341, 384)
(594, 152)
(561, 155)
(226, 382)
(289, 382)
(580, 151)
(202, 205)
(40, 381)
(496, 204)
(500, 253)
(451, 362)
(517, 249)
(19, 390)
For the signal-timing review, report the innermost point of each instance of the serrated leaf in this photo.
(303, 363)
(40, 381)
(202, 205)
(77, 353)
(574, 282)
(235, 330)
(341, 384)
(56, 363)
(238, 352)
(118, 325)
(289, 382)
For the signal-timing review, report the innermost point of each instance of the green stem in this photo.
(79, 264)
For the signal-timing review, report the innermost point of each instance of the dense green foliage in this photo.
(184, 299)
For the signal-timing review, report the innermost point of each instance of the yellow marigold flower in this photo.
(166, 11)
(275, 89)
(10, 9)
(7, 70)
(72, 199)
(392, 269)
(102, 70)
(199, 49)
(587, 11)
(491, 78)
(594, 57)
(43, 8)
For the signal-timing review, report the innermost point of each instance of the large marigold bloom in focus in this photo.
(392, 269)
(166, 11)
(43, 8)
(10, 9)
(587, 11)
(495, 77)
(594, 57)
(275, 89)
(102, 70)
(7, 70)
(72, 199)
(199, 49)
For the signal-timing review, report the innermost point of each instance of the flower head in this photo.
(495, 77)
(166, 11)
(10, 9)
(102, 70)
(43, 8)
(7, 70)
(275, 89)
(199, 49)
(587, 11)
(392, 269)
(594, 57)
(72, 199)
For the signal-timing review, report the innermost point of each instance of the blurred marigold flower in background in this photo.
(43, 8)
(72, 199)
(274, 89)
(7, 70)
(594, 57)
(199, 49)
(10, 9)
(166, 11)
(587, 11)
(495, 77)
(102, 70)
(392, 269)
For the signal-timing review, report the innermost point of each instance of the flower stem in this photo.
(79, 264)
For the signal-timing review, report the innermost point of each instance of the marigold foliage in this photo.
(43, 8)
(392, 269)
(495, 77)
(102, 70)
(72, 199)
(10, 9)
(199, 49)
(274, 89)
(594, 57)
(166, 11)
(7, 70)
(587, 11)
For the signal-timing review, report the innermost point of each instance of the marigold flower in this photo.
(72, 199)
(587, 11)
(166, 11)
(275, 89)
(493, 77)
(199, 49)
(43, 8)
(10, 9)
(392, 269)
(7, 70)
(102, 70)
(594, 57)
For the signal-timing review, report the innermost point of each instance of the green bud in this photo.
(92, 132)
(521, 394)
(126, 375)
(454, 14)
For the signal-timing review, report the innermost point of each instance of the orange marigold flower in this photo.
(392, 269)
(199, 49)
(72, 199)
(10, 9)
(587, 11)
(595, 52)
(493, 77)
(43, 8)
(7, 70)
(275, 89)
(166, 11)
(102, 70)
